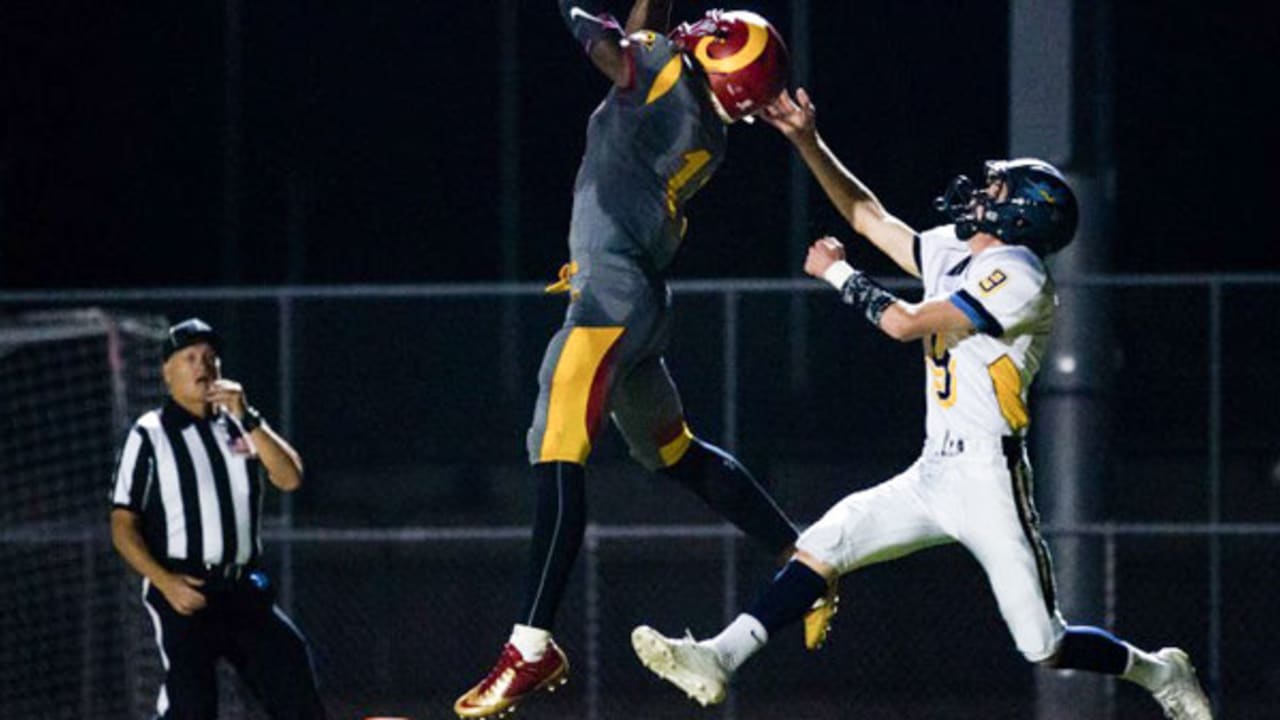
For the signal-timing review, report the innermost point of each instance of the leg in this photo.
(1004, 536)
(883, 523)
(648, 412)
(272, 656)
(558, 526)
(187, 653)
(575, 379)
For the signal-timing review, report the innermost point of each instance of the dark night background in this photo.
(368, 151)
(369, 146)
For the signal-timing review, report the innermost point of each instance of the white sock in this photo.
(739, 641)
(530, 641)
(1146, 669)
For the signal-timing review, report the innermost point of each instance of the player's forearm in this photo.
(599, 34)
(889, 314)
(649, 15)
(845, 191)
(126, 536)
(860, 291)
(588, 20)
(855, 201)
(897, 318)
(282, 462)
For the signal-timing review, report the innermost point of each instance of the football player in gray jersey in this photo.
(655, 140)
(985, 322)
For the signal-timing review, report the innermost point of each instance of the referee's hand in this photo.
(227, 394)
(180, 591)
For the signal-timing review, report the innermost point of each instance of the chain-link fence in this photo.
(403, 556)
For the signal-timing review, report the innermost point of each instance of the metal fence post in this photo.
(87, 548)
(1215, 493)
(592, 562)
(284, 363)
(1109, 603)
(729, 440)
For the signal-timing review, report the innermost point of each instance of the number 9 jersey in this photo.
(977, 381)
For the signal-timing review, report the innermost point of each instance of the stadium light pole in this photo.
(1060, 109)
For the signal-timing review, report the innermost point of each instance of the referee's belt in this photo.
(229, 572)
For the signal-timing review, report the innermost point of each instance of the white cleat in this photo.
(693, 668)
(1180, 696)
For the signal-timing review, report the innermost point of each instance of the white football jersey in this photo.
(976, 382)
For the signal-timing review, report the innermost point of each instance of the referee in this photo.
(187, 509)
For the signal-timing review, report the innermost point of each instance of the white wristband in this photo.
(839, 272)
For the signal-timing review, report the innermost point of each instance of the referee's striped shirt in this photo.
(197, 484)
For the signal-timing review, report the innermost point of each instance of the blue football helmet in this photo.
(1039, 210)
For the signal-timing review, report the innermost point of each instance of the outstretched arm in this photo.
(599, 34)
(652, 15)
(894, 317)
(796, 119)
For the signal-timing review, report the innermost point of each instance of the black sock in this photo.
(792, 592)
(1093, 649)
(727, 488)
(558, 523)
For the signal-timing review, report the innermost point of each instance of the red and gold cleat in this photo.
(511, 680)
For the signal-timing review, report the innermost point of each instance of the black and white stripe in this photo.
(162, 700)
(196, 487)
(1020, 474)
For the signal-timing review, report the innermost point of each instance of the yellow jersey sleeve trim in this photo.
(1006, 379)
(666, 79)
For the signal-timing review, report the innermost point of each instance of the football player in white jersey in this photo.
(985, 319)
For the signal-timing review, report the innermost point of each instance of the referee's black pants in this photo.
(242, 624)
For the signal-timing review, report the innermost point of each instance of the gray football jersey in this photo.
(650, 147)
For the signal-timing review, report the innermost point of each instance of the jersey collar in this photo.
(176, 417)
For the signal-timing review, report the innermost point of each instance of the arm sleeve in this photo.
(589, 22)
(1001, 290)
(133, 471)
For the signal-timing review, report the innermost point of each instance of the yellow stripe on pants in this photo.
(573, 389)
(676, 448)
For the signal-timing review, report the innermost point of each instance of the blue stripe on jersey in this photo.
(977, 314)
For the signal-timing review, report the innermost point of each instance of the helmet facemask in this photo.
(1023, 202)
(959, 202)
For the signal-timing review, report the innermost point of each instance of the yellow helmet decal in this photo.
(757, 40)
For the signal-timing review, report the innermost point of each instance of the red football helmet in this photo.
(743, 56)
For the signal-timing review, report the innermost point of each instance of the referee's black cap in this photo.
(190, 332)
